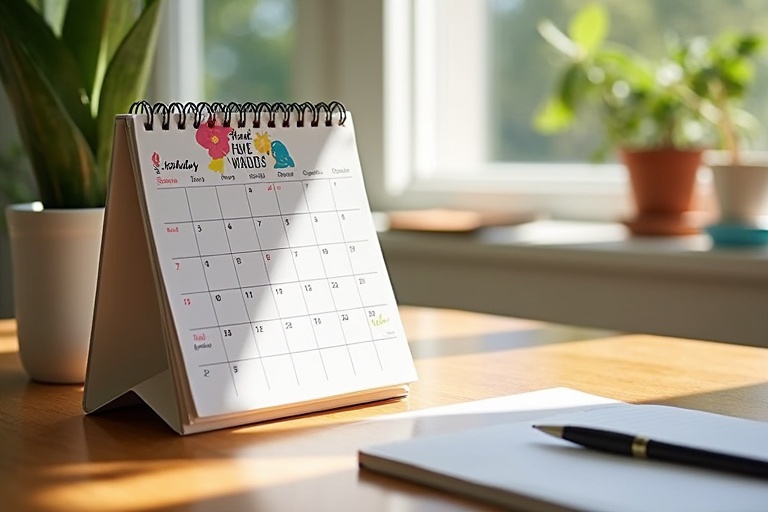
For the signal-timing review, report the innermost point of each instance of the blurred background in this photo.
(479, 62)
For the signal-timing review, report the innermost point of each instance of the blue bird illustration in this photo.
(282, 157)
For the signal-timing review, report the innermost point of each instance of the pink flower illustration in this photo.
(214, 138)
(155, 159)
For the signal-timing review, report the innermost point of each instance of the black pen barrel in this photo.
(707, 459)
(612, 442)
(642, 447)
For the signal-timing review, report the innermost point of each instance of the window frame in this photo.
(177, 72)
(370, 67)
(363, 54)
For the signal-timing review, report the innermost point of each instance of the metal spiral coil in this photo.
(284, 114)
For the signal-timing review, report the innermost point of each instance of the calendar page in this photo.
(274, 275)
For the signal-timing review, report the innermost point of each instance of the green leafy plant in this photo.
(14, 180)
(721, 71)
(642, 103)
(66, 88)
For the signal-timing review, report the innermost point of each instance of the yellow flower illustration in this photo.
(262, 144)
(217, 165)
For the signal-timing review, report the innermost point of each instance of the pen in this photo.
(642, 447)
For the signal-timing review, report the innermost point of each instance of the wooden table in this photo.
(53, 458)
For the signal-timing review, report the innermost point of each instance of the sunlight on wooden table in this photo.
(127, 486)
(423, 323)
(54, 459)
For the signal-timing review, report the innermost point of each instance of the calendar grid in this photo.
(261, 363)
(223, 345)
(275, 187)
(375, 348)
(224, 220)
(219, 363)
(343, 210)
(232, 324)
(250, 324)
(303, 296)
(325, 271)
(271, 284)
(283, 205)
(293, 262)
(354, 241)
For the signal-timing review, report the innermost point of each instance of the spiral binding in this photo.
(284, 113)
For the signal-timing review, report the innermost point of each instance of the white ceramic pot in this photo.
(55, 260)
(742, 190)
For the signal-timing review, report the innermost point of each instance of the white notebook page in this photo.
(516, 465)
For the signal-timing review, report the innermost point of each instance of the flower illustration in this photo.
(277, 149)
(214, 138)
(217, 165)
(261, 143)
(155, 159)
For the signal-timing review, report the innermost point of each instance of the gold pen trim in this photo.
(640, 447)
(551, 430)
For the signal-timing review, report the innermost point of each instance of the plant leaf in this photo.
(749, 45)
(126, 77)
(93, 37)
(82, 34)
(736, 75)
(573, 86)
(553, 117)
(61, 158)
(629, 67)
(589, 27)
(559, 40)
(26, 27)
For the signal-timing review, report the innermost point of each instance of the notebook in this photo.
(241, 277)
(513, 465)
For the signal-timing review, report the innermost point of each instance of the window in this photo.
(442, 91)
(480, 69)
(248, 52)
(487, 55)
(226, 50)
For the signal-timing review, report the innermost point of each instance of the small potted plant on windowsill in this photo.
(722, 71)
(65, 87)
(648, 112)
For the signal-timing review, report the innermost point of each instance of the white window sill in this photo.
(588, 274)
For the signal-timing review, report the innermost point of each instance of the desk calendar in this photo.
(241, 278)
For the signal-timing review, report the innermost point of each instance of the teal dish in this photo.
(737, 235)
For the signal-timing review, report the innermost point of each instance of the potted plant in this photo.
(65, 87)
(647, 109)
(722, 71)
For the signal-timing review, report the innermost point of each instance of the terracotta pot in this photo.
(663, 182)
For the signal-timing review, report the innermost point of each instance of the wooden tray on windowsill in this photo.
(454, 221)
